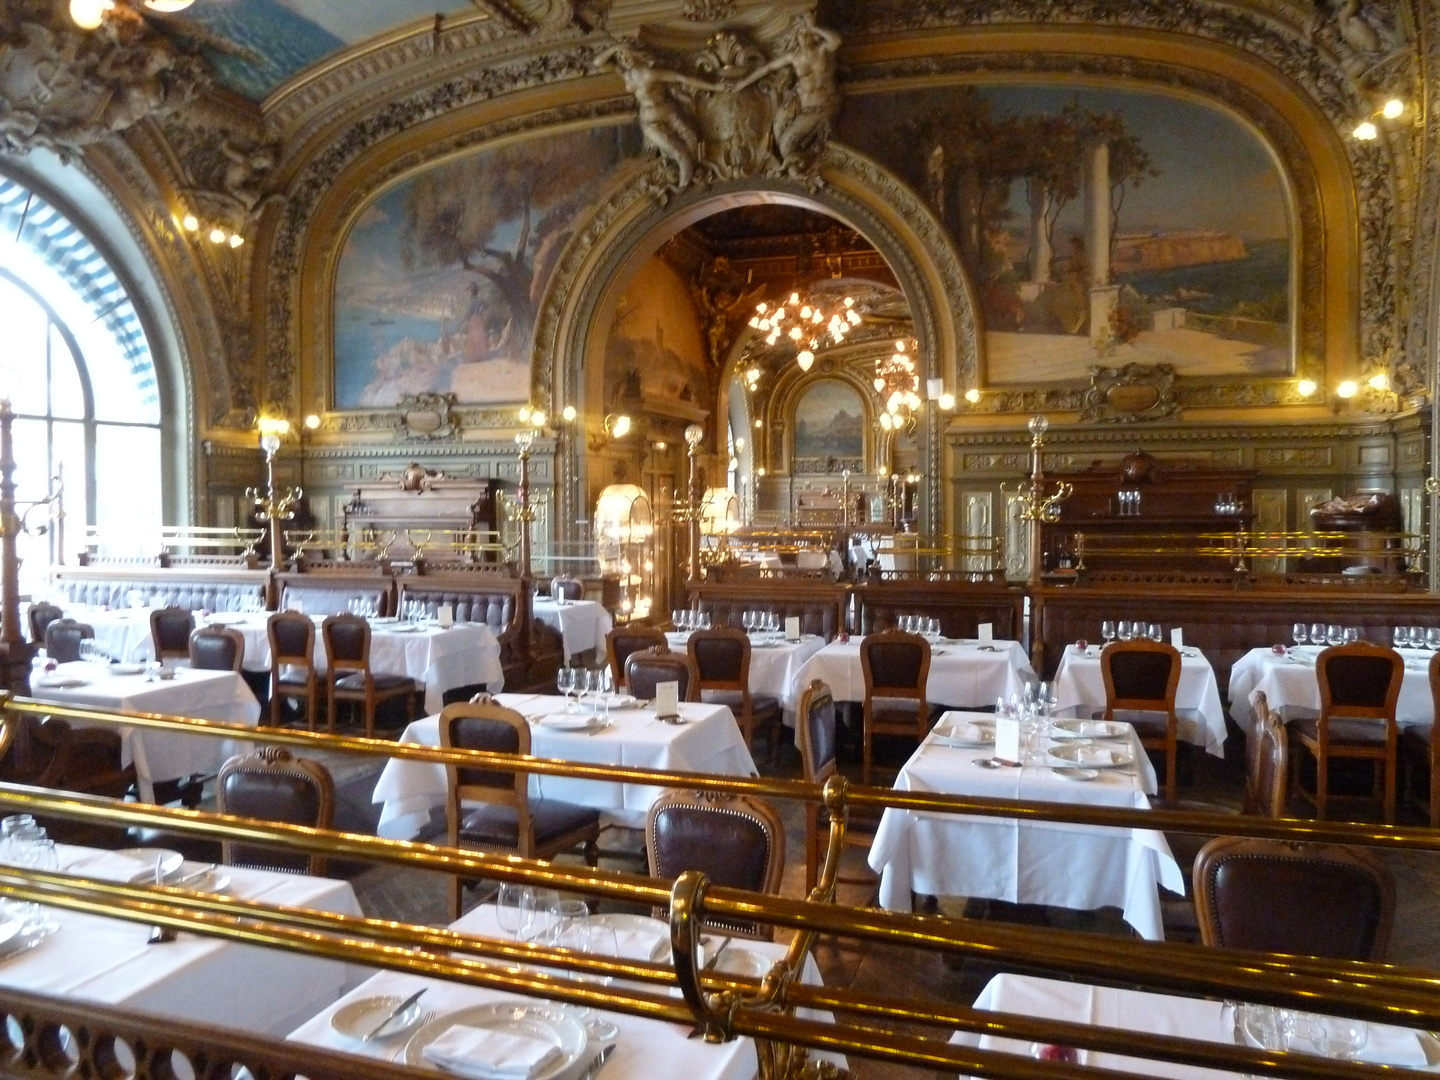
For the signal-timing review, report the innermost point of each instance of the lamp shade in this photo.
(719, 512)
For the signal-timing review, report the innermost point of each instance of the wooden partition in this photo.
(959, 605)
(821, 606)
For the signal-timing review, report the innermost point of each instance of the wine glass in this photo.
(1339, 1037)
(1107, 631)
(1334, 634)
(1432, 638)
(1153, 631)
(1299, 633)
(565, 683)
(601, 940)
(1126, 629)
(747, 620)
(1317, 633)
(1400, 636)
(514, 907)
(1351, 635)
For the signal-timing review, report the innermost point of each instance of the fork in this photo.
(423, 1019)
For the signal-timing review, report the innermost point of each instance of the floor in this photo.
(416, 896)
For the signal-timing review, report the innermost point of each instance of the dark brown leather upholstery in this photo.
(1359, 687)
(1421, 750)
(646, 669)
(271, 785)
(722, 659)
(624, 640)
(217, 648)
(959, 605)
(292, 663)
(39, 616)
(50, 753)
(565, 587)
(1304, 899)
(819, 605)
(170, 630)
(896, 667)
(63, 637)
(348, 676)
(509, 820)
(815, 730)
(1141, 677)
(735, 840)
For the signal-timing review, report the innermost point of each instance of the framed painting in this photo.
(828, 430)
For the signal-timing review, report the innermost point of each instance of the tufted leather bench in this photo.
(819, 605)
(959, 605)
(325, 592)
(190, 588)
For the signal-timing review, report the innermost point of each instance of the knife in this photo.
(393, 1014)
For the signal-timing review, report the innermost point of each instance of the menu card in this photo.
(1177, 637)
(667, 698)
(986, 632)
(792, 628)
(445, 616)
(1007, 738)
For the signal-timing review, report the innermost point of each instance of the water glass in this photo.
(1400, 636)
(1417, 637)
(1338, 1037)
(1352, 635)
(9, 828)
(1107, 630)
(1432, 638)
(565, 683)
(514, 908)
(1126, 629)
(539, 924)
(1002, 708)
(1334, 635)
(1317, 633)
(1153, 631)
(1299, 634)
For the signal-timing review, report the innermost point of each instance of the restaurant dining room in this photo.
(725, 539)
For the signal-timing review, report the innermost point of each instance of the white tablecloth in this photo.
(582, 624)
(774, 666)
(1054, 863)
(195, 979)
(1080, 688)
(123, 633)
(644, 1048)
(1147, 1013)
(162, 755)
(710, 743)
(1290, 687)
(962, 674)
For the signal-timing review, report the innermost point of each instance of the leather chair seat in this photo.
(760, 704)
(499, 826)
(1150, 725)
(1343, 732)
(356, 681)
(292, 682)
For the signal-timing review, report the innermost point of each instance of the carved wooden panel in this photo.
(1017, 541)
(977, 524)
(1270, 506)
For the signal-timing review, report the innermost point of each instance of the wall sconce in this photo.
(1366, 130)
(568, 414)
(1306, 387)
(972, 396)
(216, 233)
(1347, 390)
(618, 425)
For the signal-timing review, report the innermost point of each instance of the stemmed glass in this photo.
(1432, 638)
(747, 620)
(1107, 631)
(1400, 636)
(1351, 635)
(1125, 629)
(1334, 635)
(1153, 631)
(514, 908)
(1299, 633)
(1339, 1037)
(565, 683)
(1317, 633)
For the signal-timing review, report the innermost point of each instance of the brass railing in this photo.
(723, 1006)
(1238, 549)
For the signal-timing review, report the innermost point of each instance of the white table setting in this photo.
(1259, 1027)
(1080, 689)
(157, 755)
(1031, 862)
(197, 979)
(707, 740)
(1287, 679)
(482, 1034)
(582, 624)
(775, 661)
(963, 673)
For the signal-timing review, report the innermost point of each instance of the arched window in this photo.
(79, 374)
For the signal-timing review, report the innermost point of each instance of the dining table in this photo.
(1151, 1013)
(775, 662)
(1027, 862)
(582, 624)
(1079, 688)
(194, 978)
(964, 673)
(157, 755)
(640, 1046)
(706, 740)
(1287, 679)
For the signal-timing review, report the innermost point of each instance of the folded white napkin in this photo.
(1094, 755)
(1090, 727)
(637, 944)
(972, 732)
(485, 1054)
(112, 866)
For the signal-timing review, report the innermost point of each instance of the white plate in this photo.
(625, 701)
(146, 856)
(1066, 772)
(215, 881)
(402, 628)
(60, 682)
(569, 721)
(1071, 755)
(127, 669)
(1089, 729)
(227, 618)
(533, 1020)
(359, 1018)
(746, 963)
(948, 734)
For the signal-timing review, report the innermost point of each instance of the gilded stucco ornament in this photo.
(64, 89)
(729, 112)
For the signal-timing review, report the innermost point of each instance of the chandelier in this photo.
(898, 384)
(806, 321)
(88, 14)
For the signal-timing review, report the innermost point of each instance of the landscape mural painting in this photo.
(1099, 226)
(830, 422)
(441, 276)
(654, 349)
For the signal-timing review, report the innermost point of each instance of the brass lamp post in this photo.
(693, 436)
(524, 512)
(271, 507)
(1035, 506)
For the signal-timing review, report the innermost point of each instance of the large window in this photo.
(78, 373)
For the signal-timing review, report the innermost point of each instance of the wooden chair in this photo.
(348, 676)
(815, 729)
(1267, 772)
(565, 587)
(735, 840)
(1304, 899)
(49, 753)
(624, 640)
(63, 637)
(646, 669)
(170, 630)
(1419, 746)
(722, 660)
(896, 667)
(292, 663)
(509, 819)
(217, 648)
(39, 616)
(1141, 677)
(1359, 686)
(270, 784)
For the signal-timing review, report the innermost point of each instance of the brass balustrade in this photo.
(724, 1006)
(1243, 545)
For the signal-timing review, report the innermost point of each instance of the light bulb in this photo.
(312, 421)
(621, 427)
(538, 418)
(1379, 381)
(805, 359)
(88, 14)
(879, 384)
(1347, 389)
(168, 7)
(794, 298)
(236, 240)
(899, 346)
(795, 334)
(759, 425)
(1392, 108)
(761, 307)
(972, 395)
(947, 401)
(806, 312)
(569, 413)
(524, 413)
(217, 236)
(191, 223)
(1365, 131)
(1306, 387)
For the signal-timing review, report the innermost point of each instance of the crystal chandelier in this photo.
(898, 384)
(806, 321)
